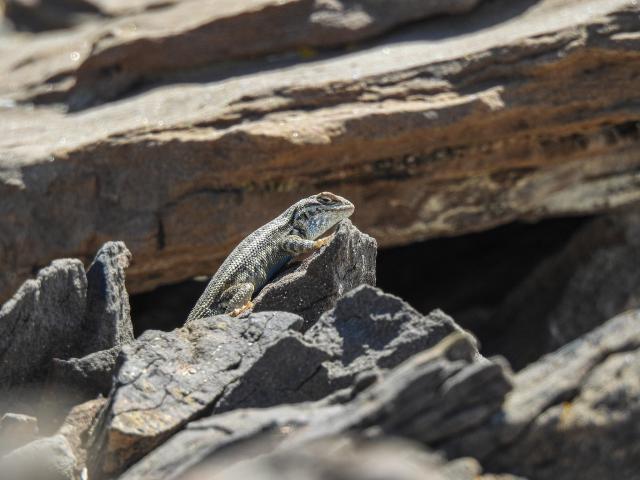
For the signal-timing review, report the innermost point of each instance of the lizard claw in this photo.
(323, 241)
(242, 309)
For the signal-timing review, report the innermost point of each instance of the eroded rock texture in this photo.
(438, 129)
(221, 363)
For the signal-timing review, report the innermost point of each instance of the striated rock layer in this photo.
(439, 129)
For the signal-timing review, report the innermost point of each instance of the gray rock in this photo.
(52, 326)
(108, 320)
(42, 321)
(572, 414)
(86, 377)
(427, 398)
(315, 285)
(169, 378)
(16, 430)
(48, 458)
(258, 361)
(370, 331)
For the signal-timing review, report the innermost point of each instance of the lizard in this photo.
(257, 258)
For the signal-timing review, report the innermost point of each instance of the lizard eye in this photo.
(325, 200)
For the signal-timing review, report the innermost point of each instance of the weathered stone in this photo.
(592, 279)
(169, 378)
(425, 131)
(49, 458)
(571, 414)
(315, 285)
(426, 398)
(84, 378)
(64, 313)
(16, 430)
(41, 322)
(76, 427)
(108, 322)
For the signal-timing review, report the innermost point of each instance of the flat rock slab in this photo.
(445, 127)
(316, 284)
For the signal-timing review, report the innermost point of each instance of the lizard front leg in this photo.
(237, 299)
(296, 245)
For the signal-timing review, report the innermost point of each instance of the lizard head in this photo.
(316, 214)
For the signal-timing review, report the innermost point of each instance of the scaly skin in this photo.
(263, 253)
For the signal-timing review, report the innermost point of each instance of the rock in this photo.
(426, 398)
(388, 127)
(314, 286)
(49, 458)
(84, 378)
(368, 333)
(16, 430)
(108, 322)
(76, 428)
(592, 279)
(42, 321)
(62, 314)
(346, 457)
(573, 413)
(169, 378)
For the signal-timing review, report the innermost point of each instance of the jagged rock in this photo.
(592, 279)
(431, 397)
(366, 334)
(169, 378)
(573, 413)
(108, 320)
(49, 458)
(64, 313)
(388, 127)
(42, 321)
(315, 285)
(16, 430)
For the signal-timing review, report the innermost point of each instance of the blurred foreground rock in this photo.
(441, 128)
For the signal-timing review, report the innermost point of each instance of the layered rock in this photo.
(436, 130)
(446, 379)
(220, 364)
(572, 413)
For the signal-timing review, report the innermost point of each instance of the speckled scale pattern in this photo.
(260, 255)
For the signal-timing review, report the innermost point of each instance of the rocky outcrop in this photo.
(445, 378)
(64, 313)
(432, 131)
(314, 286)
(49, 458)
(582, 398)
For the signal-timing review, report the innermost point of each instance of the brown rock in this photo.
(445, 128)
